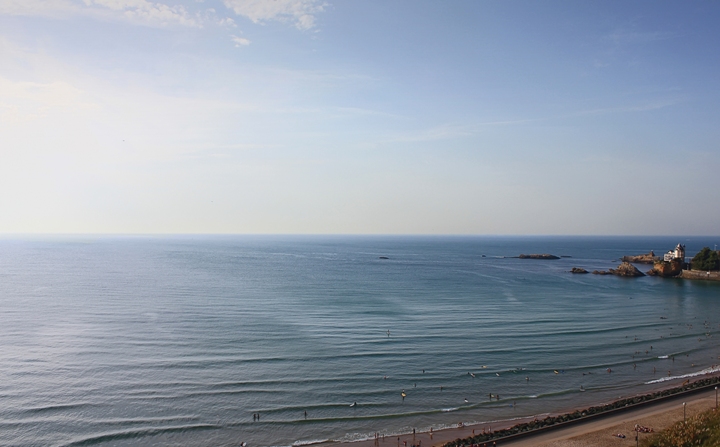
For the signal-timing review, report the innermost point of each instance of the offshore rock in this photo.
(627, 269)
(578, 270)
(648, 258)
(539, 256)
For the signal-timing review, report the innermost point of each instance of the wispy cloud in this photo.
(29, 101)
(144, 11)
(368, 112)
(302, 13)
(240, 41)
(635, 37)
(642, 107)
(451, 131)
(45, 8)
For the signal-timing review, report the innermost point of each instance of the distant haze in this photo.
(365, 116)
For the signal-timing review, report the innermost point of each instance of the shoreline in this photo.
(523, 430)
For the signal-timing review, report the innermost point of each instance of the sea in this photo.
(296, 340)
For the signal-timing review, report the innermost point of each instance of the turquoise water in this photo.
(120, 341)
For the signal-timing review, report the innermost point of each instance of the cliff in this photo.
(667, 269)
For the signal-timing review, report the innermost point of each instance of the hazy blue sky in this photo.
(364, 116)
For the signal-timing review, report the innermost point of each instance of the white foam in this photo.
(685, 376)
(310, 442)
(448, 410)
(662, 356)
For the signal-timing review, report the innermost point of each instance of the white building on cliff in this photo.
(678, 253)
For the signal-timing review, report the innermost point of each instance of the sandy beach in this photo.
(598, 432)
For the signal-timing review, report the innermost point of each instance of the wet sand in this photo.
(596, 432)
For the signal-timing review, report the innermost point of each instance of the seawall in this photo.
(697, 274)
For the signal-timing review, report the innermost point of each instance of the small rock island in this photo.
(539, 256)
(625, 269)
(648, 258)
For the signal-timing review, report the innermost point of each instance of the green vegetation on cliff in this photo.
(701, 430)
(706, 259)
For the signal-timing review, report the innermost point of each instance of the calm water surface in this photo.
(120, 341)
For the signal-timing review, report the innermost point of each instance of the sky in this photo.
(360, 117)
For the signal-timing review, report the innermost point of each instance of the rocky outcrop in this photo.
(667, 268)
(578, 270)
(539, 256)
(648, 258)
(625, 269)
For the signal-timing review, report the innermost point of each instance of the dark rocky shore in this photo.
(591, 412)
